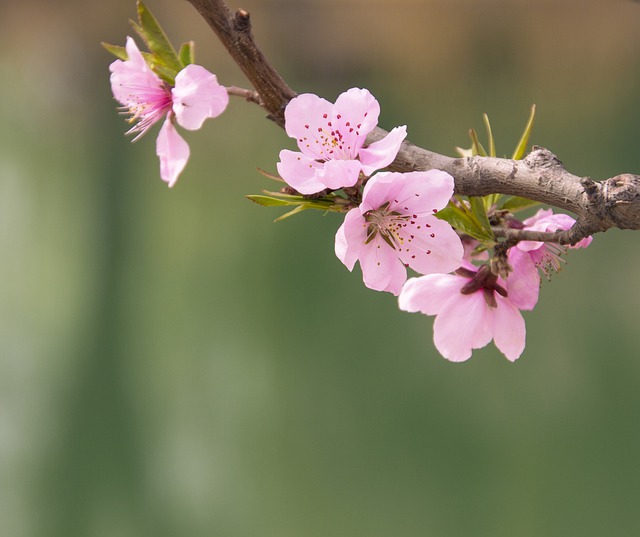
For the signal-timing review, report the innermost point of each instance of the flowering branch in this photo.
(614, 202)
(450, 220)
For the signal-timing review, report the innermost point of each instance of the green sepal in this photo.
(521, 148)
(516, 203)
(300, 203)
(118, 51)
(462, 219)
(187, 53)
(156, 40)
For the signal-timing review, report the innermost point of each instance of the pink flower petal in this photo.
(132, 77)
(300, 172)
(464, 323)
(583, 243)
(428, 294)
(424, 192)
(430, 246)
(350, 238)
(381, 268)
(541, 214)
(173, 152)
(523, 283)
(306, 120)
(355, 114)
(336, 174)
(380, 189)
(383, 152)
(197, 96)
(509, 329)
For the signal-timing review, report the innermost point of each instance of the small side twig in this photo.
(251, 96)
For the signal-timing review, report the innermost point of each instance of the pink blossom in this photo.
(471, 307)
(195, 97)
(331, 139)
(394, 227)
(527, 257)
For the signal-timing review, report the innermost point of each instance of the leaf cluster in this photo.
(162, 57)
(472, 214)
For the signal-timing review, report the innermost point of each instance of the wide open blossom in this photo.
(471, 307)
(394, 227)
(527, 257)
(331, 139)
(195, 97)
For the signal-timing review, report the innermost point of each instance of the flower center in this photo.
(547, 258)
(329, 143)
(146, 106)
(388, 224)
(484, 280)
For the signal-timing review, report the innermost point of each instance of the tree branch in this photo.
(540, 176)
(234, 31)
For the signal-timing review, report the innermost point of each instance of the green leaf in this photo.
(521, 148)
(492, 143)
(516, 203)
(464, 152)
(480, 213)
(268, 201)
(463, 220)
(118, 51)
(297, 210)
(187, 53)
(476, 146)
(156, 40)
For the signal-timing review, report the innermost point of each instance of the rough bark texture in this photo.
(540, 176)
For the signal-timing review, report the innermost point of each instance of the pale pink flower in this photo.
(471, 307)
(195, 97)
(394, 227)
(331, 139)
(527, 257)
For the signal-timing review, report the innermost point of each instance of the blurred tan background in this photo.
(172, 363)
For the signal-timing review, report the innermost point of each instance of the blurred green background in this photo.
(174, 363)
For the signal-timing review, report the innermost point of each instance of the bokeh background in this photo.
(173, 363)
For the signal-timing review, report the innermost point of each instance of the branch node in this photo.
(591, 188)
(622, 200)
(242, 21)
(542, 158)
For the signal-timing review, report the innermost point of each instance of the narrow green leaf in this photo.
(464, 152)
(521, 148)
(268, 201)
(118, 51)
(463, 221)
(295, 211)
(187, 53)
(155, 38)
(516, 203)
(476, 146)
(480, 213)
(322, 204)
(492, 200)
(492, 143)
